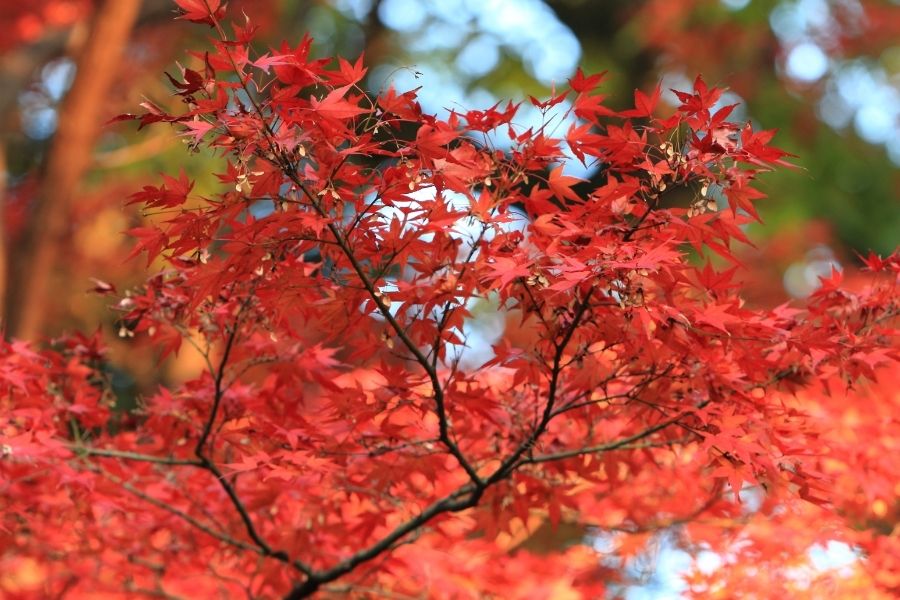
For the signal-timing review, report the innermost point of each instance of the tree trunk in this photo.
(4, 258)
(37, 255)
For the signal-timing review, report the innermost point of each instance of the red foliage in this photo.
(26, 21)
(337, 442)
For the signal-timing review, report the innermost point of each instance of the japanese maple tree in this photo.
(341, 442)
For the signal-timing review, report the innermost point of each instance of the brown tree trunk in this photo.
(37, 255)
(4, 259)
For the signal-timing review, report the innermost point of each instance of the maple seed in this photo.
(537, 281)
(387, 340)
(668, 149)
(381, 297)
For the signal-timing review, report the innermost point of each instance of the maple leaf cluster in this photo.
(338, 442)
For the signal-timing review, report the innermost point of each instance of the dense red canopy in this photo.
(340, 442)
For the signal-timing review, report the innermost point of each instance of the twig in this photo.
(222, 537)
(509, 464)
(623, 444)
(136, 456)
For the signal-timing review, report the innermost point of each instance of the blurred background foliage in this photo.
(825, 73)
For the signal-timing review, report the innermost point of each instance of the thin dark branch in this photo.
(637, 226)
(222, 537)
(135, 456)
(290, 170)
(263, 546)
(626, 443)
(219, 376)
(465, 497)
(636, 389)
(459, 500)
(399, 331)
(448, 308)
(430, 371)
(206, 463)
(507, 466)
(577, 405)
(537, 308)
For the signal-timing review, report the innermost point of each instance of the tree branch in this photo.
(468, 496)
(290, 170)
(509, 463)
(626, 443)
(219, 376)
(135, 456)
(222, 537)
(453, 502)
(206, 463)
(465, 497)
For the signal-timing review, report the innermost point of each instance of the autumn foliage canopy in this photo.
(343, 440)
